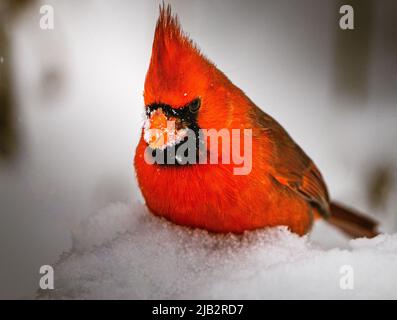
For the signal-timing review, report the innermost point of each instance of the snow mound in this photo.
(125, 253)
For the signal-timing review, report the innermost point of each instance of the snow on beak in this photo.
(161, 132)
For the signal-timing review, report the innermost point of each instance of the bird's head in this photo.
(183, 86)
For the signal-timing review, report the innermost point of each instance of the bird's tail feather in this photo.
(351, 222)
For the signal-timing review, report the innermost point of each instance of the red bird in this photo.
(283, 187)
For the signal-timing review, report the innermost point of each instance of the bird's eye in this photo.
(195, 105)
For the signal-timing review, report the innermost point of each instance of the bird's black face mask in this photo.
(173, 135)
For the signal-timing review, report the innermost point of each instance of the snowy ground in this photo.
(124, 253)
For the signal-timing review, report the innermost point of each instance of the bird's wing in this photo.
(292, 167)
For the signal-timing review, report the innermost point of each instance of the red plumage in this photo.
(284, 186)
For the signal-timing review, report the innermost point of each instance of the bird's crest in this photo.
(178, 72)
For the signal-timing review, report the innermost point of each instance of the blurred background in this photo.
(71, 105)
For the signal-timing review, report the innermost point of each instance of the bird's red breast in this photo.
(284, 187)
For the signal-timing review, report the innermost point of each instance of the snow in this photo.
(123, 252)
(164, 133)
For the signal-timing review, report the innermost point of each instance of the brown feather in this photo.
(293, 168)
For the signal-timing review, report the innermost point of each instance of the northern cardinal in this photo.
(283, 187)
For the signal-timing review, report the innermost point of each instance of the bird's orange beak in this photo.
(161, 131)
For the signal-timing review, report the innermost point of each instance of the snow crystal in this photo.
(166, 135)
(123, 252)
